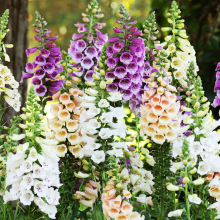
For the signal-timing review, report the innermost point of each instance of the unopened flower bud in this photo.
(102, 85)
(95, 76)
(109, 81)
(197, 104)
(126, 177)
(29, 134)
(186, 179)
(9, 45)
(102, 72)
(90, 83)
(118, 185)
(199, 181)
(185, 162)
(200, 114)
(193, 171)
(172, 187)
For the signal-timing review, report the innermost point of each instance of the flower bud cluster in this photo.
(4, 31)
(11, 96)
(180, 52)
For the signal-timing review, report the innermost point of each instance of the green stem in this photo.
(138, 131)
(186, 198)
(16, 211)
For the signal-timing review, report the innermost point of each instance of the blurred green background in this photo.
(202, 19)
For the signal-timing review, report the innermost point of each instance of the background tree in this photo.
(18, 36)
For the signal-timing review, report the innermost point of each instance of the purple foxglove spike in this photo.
(77, 56)
(117, 46)
(188, 133)
(36, 30)
(109, 51)
(218, 75)
(140, 61)
(154, 59)
(139, 52)
(82, 29)
(125, 83)
(77, 36)
(87, 63)
(132, 48)
(88, 76)
(140, 70)
(139, 95)
(36, 81)
(45, 53)
(102, 37)
(78, 24)
(131, 149)
(46, 35)
(137, 41)
(55, 55)
(90, 38)
(52, 39)
(30, 51)
(113, 39)
(91, 52)
(39, 73)
(41, 90)
(135, 88)
(158, 47)
(117, 30)
(217, 85)
(98, 44)
(80, 72)
(137, 33)
(37, 38)
(80, 45)
(53, 75)
(71, 51)
(57, 59)
(26, 76)
(117, 58)
(49, 68)
(113, 87)
(216, 102)
(128, 36)
(132, 68)
(29, 67)
(40, 60)
(50, 45)
(217, 67)
(120, 72)
(55, 50)
(109, 75)
(136, 78)
(133, 29)
(111, 63)
(127, 94)
(126, 58)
